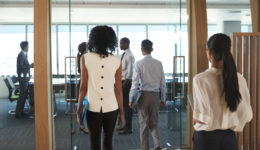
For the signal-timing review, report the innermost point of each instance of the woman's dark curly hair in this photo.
(102, 40)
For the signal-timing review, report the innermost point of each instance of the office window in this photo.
(78, 35)
(10, 37)
(164, 40)
(54, 49)
(183, 48)
(63, 46)
(136, 33)
(246, 28)
(30, 39)
(212, 29)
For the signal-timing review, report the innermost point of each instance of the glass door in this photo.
(162, 22)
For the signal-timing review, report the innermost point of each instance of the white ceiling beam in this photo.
(57, 4)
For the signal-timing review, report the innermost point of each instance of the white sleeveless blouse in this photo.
(101, 80)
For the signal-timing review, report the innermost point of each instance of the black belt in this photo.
(127, 79)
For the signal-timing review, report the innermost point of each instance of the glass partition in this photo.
(165, 30)
(17, 125)
(62, 87)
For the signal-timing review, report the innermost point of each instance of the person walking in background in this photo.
(149, 72)
(127, 73)
(23, 72)
(221, 99)
(82, 49)
(101, 81)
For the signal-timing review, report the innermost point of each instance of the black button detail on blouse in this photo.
(102, 66)
(101, 99)
(101, 87)
(102, 77)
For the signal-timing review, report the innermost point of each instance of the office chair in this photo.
(14, 92)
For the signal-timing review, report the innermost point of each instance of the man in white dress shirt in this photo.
(128, 60)
(149, 74)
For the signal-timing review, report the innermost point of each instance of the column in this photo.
(255, 11)
(198, 31)
(43, 76)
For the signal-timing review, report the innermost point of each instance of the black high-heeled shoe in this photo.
(81, 129)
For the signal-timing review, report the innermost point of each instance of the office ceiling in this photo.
(115, 11)
(127, 1)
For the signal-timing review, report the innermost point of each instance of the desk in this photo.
(57, 83)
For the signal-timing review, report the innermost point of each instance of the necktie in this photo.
(122, 56)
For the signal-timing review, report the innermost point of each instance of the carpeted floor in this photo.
(18, 134)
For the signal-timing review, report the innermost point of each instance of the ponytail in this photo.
(82, 48)
(231, 87)
(220, 45)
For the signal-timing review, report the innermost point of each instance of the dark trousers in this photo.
(31, 94)
(215, 140)
(24, 84)
(127, 110)
(95, 123)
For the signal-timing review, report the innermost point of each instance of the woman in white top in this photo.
(221, 99)
(101, 82)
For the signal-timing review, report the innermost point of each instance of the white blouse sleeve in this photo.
(201, 106)
(247, 98)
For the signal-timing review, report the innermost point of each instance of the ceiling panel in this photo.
(131, 1)
(103, 11)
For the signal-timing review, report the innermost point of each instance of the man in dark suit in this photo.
(23, 72)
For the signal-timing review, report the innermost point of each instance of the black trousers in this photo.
(24, 85)
(128, 112)
(215, 140)
(95, 123)
(31, 94)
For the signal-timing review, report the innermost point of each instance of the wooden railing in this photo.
(246, 53)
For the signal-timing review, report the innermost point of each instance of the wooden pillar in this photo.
(255, 11)
(198, 31)
(43, 75)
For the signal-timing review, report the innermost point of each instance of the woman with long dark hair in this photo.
(101, 82)
(221, 99)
